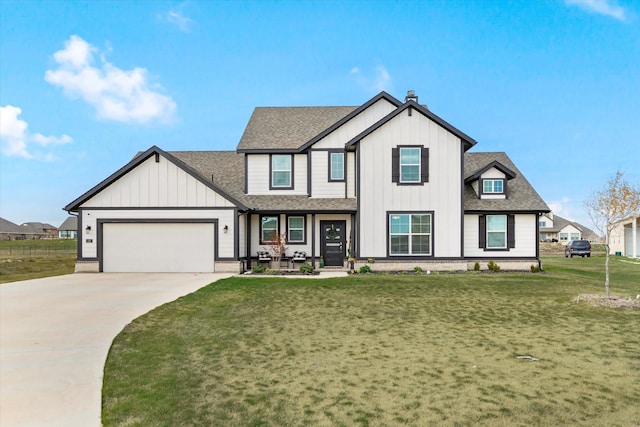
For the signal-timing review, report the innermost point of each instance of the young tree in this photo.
(616, 201)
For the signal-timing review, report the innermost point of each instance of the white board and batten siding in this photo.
(380, 194)
(362, 121)
(258, 167)
(336, 140)
(152, 197)
(321, 187)
(525, 238)
(161, 184)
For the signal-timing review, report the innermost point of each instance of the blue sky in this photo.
(86, 85)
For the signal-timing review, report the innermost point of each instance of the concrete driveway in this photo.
(55, 334)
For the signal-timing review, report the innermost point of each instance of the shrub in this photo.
(493, 266)
(535, 268)
(365, 269)
(417, 269)
(476, 266)
(306, 268)
(258, 268)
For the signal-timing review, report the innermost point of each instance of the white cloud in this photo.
(379, 80)
(116, 94)
(563, 207)
(40, 139)
(16, 139)
(176, 18)
(602, 7)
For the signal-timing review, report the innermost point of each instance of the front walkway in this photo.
(55, 334)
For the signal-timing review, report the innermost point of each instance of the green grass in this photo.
(32, 259)
(384, 350)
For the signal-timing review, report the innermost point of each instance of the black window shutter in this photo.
(482, 237)
(424, 165)
(511, 231)
(395, 164)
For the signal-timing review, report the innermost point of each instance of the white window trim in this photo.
(410, 234)
(419, 165)
(277, 228)
(493, 186)
(497, 231)
(333, 169)
(289, 171)
(289, 228)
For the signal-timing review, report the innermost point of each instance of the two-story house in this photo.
(387, 180)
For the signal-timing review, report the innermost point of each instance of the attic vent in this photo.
(411, 96)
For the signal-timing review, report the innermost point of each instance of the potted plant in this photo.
(351, 259)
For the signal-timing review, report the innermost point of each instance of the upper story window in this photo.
(410, 165)
(542, 223)
(493, 186)
(336, 166)
(281, 171)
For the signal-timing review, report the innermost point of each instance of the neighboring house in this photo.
(69, 228)
(387, 180)
(625, 238)
(554, 228)
(26, 231)
(39, 230)
(9, 230)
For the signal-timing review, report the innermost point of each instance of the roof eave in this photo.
(382, 95)
(466, 139)
(137, 160)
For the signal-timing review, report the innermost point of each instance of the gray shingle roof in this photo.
(71, 223)
(7, 226)
(227, 169)
(559, 223)
(288, 128)
(521, 195)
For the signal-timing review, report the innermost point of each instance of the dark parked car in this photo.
(578, 247)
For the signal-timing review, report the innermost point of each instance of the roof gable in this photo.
(381, 96)
(294, 129)
(522, 196)
(412, 105)
(494, 164)
(137, 161)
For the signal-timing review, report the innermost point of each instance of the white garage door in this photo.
(158, 247)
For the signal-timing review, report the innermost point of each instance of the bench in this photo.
(298, 256)
(264, 256)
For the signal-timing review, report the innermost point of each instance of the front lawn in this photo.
(33, 259)
(385, 350)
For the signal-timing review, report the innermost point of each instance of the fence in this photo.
(16, 250)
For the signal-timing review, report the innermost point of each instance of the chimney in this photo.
(411, 96)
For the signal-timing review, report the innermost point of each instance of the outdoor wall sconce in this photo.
(226, 228)
(88, 229)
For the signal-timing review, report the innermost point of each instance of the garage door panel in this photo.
(158, 247)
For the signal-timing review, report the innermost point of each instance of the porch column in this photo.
(248, 234)
(634, 236)
(313, 240)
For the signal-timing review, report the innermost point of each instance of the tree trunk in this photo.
(606, 273)
(606, 262)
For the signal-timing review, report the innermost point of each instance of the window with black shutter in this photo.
(410, 165)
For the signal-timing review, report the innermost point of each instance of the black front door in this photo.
(333, 242)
